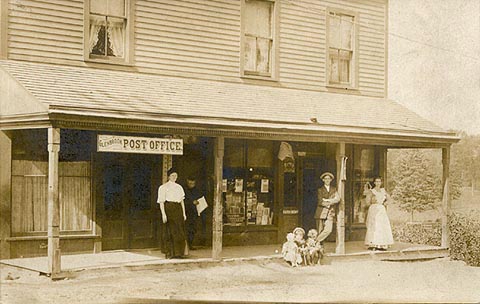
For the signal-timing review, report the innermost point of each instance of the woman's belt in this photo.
(172, 202)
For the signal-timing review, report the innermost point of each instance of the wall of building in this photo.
(201, 39)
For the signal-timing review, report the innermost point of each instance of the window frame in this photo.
(353, 83)
(274, 53)
(129, 38)
(243, 165)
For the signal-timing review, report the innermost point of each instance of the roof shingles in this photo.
(109, 90)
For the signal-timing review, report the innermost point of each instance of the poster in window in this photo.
(224, 185)
(238, 185)
(264, 186)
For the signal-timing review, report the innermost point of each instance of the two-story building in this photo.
(98, 98)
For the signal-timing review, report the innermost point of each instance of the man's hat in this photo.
(171, 170)
(327, 174)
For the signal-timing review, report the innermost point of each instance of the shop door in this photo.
(312, 169)
(129, 192)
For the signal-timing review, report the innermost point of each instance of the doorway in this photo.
(128, 209)
(312, 169)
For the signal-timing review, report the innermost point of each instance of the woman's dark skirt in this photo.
(174, 237)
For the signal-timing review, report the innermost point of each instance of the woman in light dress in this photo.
(379, 232)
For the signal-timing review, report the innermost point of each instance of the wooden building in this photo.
(259, 96)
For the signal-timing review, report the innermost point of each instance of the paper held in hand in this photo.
(202, 205)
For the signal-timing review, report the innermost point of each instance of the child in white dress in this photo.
(290, 251)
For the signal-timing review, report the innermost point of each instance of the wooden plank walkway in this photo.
(154, 259)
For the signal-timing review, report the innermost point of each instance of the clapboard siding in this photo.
(46, 29)
(302, 37)
(201, 38)
(302, 40)
(189, 28)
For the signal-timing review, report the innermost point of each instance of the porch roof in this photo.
(59, 91)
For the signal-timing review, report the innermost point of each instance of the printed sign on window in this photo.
(238, 185)
(264, 187)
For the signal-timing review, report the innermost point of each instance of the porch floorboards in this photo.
(153, 258)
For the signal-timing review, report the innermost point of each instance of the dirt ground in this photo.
(362, 281)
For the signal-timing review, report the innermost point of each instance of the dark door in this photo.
(129, 216)
(312, 169)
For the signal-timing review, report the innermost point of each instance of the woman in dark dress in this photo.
(170, 198)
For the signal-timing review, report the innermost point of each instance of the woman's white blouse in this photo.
(380, 196)
(171, 192)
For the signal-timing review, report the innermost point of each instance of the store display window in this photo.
(248, 180)
(363, 174)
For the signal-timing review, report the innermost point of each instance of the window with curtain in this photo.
(258, 37)
(107, 29)
(341, 49)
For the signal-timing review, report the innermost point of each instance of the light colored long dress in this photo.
(379, 231)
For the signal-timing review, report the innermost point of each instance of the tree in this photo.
(466, 157)
(415, 186)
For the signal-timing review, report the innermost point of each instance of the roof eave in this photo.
(154, 123)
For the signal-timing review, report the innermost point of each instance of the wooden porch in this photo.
(75, 264)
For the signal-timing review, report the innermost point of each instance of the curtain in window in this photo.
(263, 55)
(258, 18)
(96, 23)
(116, 35)
(344, 66)
(258, 32)
(346, 31)
(334, 36)
(250, 53)
(334, 70)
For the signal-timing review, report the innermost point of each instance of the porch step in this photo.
(405, 255)
(419, 255)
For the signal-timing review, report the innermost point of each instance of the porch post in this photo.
(5, 193)
(340, 239)
(219, 148)
(446, 199)
(54, 256)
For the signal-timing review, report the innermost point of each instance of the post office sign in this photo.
(133, 144)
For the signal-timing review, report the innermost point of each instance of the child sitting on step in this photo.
(290, 251)
(314, 248)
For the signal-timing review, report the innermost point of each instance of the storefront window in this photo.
(364, 172)
(248, 183)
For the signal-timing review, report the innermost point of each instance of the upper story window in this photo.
(107, 31)
(259, 38)
(341, 49)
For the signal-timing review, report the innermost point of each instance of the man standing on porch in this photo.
(192, 194)
(325, 213)
(170, 198)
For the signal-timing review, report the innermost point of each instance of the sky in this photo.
(434, 67)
